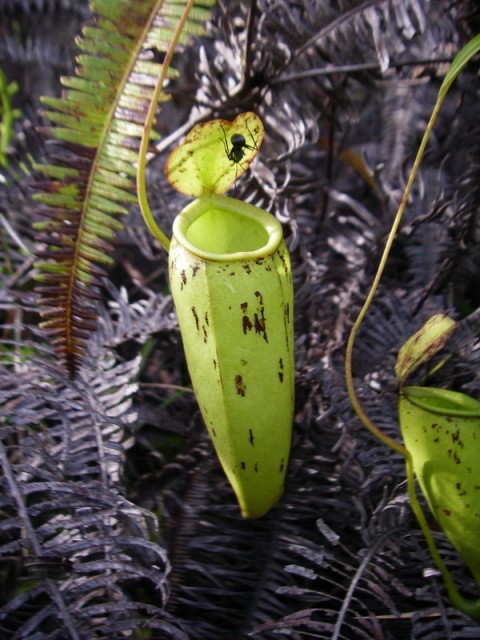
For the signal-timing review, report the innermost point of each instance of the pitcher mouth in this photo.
(218, 228)
(443, 401)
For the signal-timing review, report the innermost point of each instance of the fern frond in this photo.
(99, 124)
(81, 554)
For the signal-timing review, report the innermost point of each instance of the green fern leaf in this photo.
(98, 123)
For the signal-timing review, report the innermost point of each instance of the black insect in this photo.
(238, 142)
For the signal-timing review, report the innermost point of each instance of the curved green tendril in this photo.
(142, 153)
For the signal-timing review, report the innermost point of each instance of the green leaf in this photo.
(461, 59)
